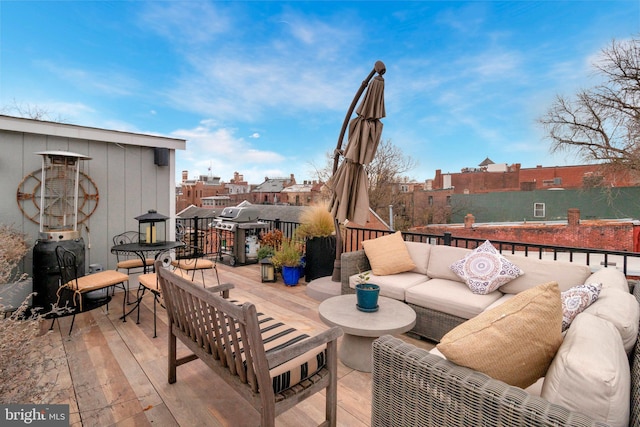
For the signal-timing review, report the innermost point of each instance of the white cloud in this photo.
(210, 145)
(106, 81)
(186, 22)
(255, 135)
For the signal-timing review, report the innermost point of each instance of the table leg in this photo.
(356, 352)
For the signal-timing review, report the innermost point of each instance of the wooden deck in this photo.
(115, 373)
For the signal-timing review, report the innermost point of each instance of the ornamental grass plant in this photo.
(316, 221)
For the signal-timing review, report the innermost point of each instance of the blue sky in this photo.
(262, 87)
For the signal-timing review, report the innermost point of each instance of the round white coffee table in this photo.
(361, 328)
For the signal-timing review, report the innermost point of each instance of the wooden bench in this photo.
(270, 364)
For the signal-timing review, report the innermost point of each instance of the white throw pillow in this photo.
(484, 270)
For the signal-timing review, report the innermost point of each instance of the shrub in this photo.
(271, 238)
(13, 247)
(29, 360)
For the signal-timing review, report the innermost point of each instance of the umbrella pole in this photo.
(379, 68)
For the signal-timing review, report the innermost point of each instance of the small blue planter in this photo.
(290, 275)
(367, 297)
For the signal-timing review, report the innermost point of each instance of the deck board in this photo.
(114, 373)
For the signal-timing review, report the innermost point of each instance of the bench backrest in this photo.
(224, 335)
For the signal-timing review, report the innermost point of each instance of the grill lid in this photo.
(236, 214)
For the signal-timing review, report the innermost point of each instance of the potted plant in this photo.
(15, 285)
(265, 251)
(317, 229)
(366, 294)
(287, 257)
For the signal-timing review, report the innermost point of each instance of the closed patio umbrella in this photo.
(349, 182)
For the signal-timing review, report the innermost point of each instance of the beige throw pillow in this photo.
(514, 342)
(388, 255)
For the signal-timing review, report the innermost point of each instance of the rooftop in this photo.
(115, 373)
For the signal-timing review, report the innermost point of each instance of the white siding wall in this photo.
(128, 181)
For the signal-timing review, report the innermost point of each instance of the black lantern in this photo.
(152, 228)
(267, 270)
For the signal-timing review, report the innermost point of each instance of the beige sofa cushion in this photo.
(538, 271)
(393, 285)
(590, 372)
(450, 297)
(419, 253)
(441, 257)
(388, 254)
(515, 342)
(622, 310)
(504, 298)
(610, 277)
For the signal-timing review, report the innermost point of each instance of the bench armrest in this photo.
(224, 288)
(278, 357)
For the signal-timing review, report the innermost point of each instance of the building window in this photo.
(430, 200)
(538, 210)
(448, 200)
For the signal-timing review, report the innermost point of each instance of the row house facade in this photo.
(212, 192)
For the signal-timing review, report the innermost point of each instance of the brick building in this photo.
(305, 194)
(211, 191)
(491, 177)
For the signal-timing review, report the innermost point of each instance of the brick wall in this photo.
(608, 235)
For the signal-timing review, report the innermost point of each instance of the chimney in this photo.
(469, 219)
(573, 217)
(185, 176)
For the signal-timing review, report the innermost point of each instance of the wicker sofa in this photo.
(414, 387)
(442, 300)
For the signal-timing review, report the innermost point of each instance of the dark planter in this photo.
(367, 296)
(290, 275)
(320, 253)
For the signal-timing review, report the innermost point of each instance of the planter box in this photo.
(320, 253)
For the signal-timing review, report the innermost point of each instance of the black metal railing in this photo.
(197, 231)
(587, 256)
(287, 227)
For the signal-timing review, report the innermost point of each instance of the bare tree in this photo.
(29, 111)
(384, 172)
(602, 124)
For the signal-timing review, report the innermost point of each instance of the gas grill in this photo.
(232, 218)
(238, 231)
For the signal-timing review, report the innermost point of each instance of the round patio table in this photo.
(361, 328)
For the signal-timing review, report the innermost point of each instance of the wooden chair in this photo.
(74, 281)
(237, 343)
(129, 261)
